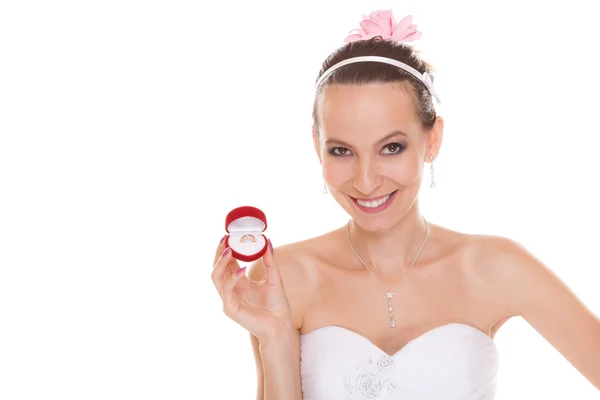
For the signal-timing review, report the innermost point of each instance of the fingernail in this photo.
(240, 271)
(270, 246)
(223, 238)
(226, 251)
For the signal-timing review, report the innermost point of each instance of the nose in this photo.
(367, 178)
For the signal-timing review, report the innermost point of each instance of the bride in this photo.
(391, 305)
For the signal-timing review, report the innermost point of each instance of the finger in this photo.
(231, 304)
(220, 268)
(220, 248)
(233, 264)
(271, 268)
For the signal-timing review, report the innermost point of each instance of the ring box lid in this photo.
(246, 219)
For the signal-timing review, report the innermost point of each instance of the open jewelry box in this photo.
(245, 227)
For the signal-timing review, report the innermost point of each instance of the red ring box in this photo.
(242, 221)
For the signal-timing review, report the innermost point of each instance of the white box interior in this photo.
(244, 226)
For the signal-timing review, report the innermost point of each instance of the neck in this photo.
(393, 250)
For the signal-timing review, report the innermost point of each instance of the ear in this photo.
(317, 144)
(435, 138)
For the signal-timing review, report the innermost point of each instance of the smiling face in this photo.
(372, 147)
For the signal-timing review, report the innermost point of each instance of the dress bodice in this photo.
(452, 361)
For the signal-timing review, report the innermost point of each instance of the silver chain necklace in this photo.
(389, 294)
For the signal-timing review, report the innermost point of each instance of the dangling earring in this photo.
(431, 170)
(324, 188)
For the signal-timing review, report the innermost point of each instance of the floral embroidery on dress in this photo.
(371, 378)
(385, 363)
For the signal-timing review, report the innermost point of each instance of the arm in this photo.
(260, 374)
(277, 362)
(534, 292)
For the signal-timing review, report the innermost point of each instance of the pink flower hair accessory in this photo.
(382, 23)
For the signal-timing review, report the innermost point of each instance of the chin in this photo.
(375, 225)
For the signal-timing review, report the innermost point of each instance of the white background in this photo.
(127, 132)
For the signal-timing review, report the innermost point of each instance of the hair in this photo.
(374, 72)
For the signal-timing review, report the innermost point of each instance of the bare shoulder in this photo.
(494, 266)
(500, 257)
(528, 286)
(296, 262)
(498, 261)
(294, 259)
(530, 289)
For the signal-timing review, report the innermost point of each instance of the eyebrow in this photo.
(383, 139)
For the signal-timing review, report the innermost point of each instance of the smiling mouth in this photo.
(374, 203)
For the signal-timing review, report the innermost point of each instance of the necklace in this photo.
(388, 294)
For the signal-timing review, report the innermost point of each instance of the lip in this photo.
(372, 199)
(376, 209)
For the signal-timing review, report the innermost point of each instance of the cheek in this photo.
(336, 172)
(406, 170)
(408, 174)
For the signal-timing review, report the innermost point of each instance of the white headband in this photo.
(424, 78)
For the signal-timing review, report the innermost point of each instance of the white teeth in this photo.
(373, 204)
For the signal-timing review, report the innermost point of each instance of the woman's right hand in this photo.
(262, 307)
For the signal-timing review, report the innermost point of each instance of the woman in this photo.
(391, 306)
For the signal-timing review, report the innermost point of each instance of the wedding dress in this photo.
(451, 362)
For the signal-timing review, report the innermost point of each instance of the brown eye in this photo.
(339, 151)
(394, 148)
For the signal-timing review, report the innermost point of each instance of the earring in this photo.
(432, 185)
(324, 188)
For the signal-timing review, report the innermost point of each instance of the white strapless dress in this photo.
(450, 362)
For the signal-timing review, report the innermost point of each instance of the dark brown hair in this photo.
(371, 72)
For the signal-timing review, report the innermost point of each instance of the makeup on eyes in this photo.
(334, 151)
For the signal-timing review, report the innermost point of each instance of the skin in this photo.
(478, 280)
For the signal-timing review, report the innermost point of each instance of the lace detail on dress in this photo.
(371, 378)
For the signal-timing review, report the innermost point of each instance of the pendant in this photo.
(391, 309)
